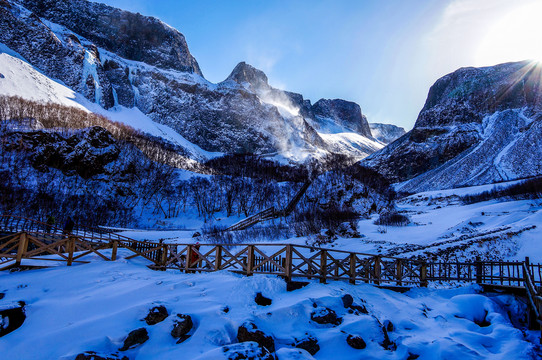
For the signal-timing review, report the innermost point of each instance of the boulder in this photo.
(182, 327)
(249, 332)
(296, 285)
(135, 338)
(11, 319)
(356, 342)
(326, 316)
(309, 344)
(347, 300)
(156, 314)
(262, 300)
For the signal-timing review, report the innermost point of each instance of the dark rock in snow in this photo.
(156, 314)
(249, 332)
(326, 316)
(262, 300)
(389, 326)
(92, 355)
(347, 300)
(11, 319)
(412, 356)
(246, 351)
(356, 342)
(310, 344)
(387, 343)
(2, 295)
(135, 338)
(182, 326)
(295, 285)
(360, 309)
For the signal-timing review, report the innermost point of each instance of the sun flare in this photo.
(516, 36)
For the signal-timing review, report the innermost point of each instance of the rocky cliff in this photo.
(386, 133)
(478, 125)
(113, 57)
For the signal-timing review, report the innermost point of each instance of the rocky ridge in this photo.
(386, 133)
(72, 41)
(478, 126)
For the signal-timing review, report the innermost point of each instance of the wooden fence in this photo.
(286, 260)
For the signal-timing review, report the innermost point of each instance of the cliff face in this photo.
(386, 133)
(113, 57)
(478, 125)
(345, 113)
(131, 36)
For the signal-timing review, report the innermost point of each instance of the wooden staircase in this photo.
(271, 213)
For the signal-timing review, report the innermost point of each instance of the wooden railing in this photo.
(286, 260)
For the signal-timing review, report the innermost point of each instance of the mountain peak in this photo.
(244, 73)
(132, 36)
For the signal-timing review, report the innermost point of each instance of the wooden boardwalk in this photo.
(32, 241)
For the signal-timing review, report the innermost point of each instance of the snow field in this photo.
(95, 306)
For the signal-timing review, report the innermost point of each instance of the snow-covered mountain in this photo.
(478, 126)
(386, 133)
(106, 55)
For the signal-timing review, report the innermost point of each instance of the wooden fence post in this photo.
(250, 260)
(188, 258)
(288, 263)
(164, 255)
(218, 257)
(352, 269)
(323, 266)
(423, 274)
(378, 270)
(70, 244)
(528, 267)
(114, 250)
(21, 250)
(479, 270)
(399, 272)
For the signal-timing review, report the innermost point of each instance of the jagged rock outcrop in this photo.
(345, 113)
(386, 133)
(478, 126)
(86, 152)
(114, 57)
(131, 36)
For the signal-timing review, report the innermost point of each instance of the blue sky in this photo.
(382, 54)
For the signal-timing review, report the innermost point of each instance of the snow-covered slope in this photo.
(93, 307)
(19, 78)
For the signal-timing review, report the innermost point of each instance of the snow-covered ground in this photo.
(93, 307)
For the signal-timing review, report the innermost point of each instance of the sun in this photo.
(514, 37)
